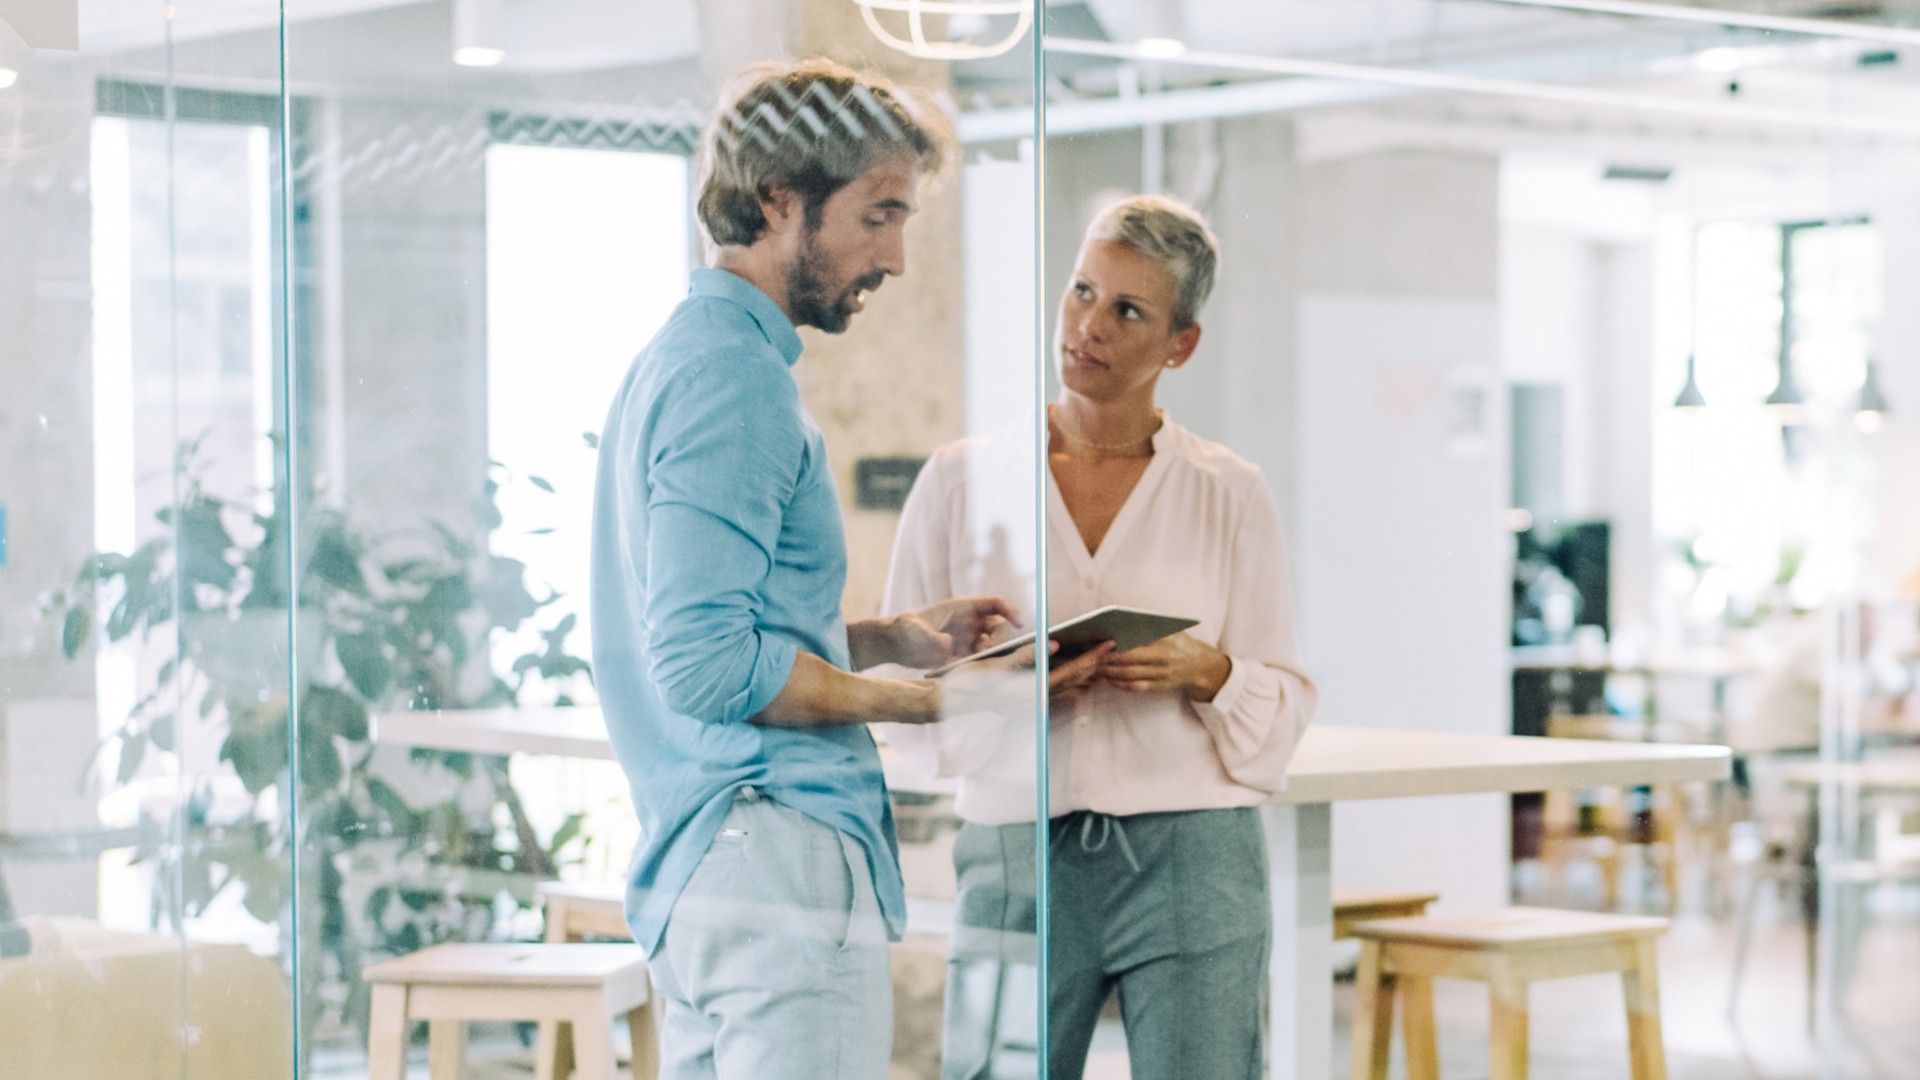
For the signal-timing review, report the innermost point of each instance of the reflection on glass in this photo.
(144, 839)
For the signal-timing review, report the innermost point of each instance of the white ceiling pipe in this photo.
(1173, 106)
(1714, 16)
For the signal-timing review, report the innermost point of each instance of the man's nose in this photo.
(893, 259)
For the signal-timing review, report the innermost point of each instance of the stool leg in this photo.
(446, 1049)
(553, 1046)
(1642, 985)
(387, 1034)
(553, 1050)
(1509, 1042)
(593, 1045)
(1416, 1024)
(641, 1024)
(1372, 1015)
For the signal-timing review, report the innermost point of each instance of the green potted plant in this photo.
(400, 621)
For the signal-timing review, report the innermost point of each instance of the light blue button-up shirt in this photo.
(718, 555)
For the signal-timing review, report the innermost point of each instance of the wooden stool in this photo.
(1508, 949)
(574, 911)
(1351, 905)
(584, 986)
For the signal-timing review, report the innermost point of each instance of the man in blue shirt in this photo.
(767, 879)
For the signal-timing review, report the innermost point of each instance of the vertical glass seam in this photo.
(290, 445)
(1043, 771)
(177, 818)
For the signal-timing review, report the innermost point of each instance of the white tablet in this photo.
(1128, 628)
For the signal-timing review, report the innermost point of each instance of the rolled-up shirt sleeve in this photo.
(726, 456)
(1261, 711)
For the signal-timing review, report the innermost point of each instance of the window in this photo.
(1755, 483)
(587, 254)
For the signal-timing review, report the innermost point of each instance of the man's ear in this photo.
(782, 208)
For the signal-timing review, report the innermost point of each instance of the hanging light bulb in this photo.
(479, 32)
(1690, 397)
(961, 14)
(1873, 409)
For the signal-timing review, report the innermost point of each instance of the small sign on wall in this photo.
(882, 483)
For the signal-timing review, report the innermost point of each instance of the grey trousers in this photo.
(775, 963)
(1169, 911)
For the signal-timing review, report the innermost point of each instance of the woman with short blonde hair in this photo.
(1160, 756)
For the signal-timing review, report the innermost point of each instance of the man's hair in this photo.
(811, 127)
(1172, 234)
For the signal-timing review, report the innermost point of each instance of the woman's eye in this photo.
(1082, 292)
(876, 223)
(1128, 311)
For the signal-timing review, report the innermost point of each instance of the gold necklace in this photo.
(1059, 418)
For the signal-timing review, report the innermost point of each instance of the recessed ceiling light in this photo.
(8, 77)
(1722, 60)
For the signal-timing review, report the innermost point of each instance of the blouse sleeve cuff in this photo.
(1230, 691)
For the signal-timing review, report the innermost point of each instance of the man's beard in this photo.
(810, 299)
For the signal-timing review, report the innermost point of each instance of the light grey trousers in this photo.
(1169, 911)
(775, 965)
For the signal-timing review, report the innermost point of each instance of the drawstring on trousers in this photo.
(1110, 828)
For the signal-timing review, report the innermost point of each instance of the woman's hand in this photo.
(1070, 679)
(1181, 664)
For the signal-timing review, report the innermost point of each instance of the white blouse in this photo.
(1198, 537)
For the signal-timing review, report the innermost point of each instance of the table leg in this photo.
(1299, 862)
(1810, 907)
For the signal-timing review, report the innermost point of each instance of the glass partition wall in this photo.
(315, 315)
(1555, 355)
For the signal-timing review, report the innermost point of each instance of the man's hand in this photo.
(1180, 664)
(947, 631)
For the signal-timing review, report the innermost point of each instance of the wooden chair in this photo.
(1603, 825)
(1510, 949)
(1353, 905)
(582, 986)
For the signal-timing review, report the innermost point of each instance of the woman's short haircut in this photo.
(1172, 234)
(811, 127)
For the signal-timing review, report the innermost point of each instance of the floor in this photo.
(1579, 1028)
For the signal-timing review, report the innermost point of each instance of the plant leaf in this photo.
(132, 750)
(320, 766)
(161, 732)
(364, 658)
(75, 629)
(326, 711)
(257, 754)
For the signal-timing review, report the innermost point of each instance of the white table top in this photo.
(1880, 774)
(1332, 764)
(1704, 663)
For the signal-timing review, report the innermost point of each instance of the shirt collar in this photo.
(773, 322)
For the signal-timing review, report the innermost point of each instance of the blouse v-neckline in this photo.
(1089, 561)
